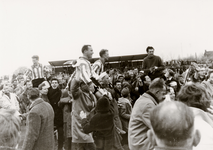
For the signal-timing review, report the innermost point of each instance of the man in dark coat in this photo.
(54, 96)
(40, 125)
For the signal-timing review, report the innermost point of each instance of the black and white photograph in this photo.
(106, 75)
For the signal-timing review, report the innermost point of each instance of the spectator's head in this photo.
(54, 83)
(118, 85)
(194, 95)
(210, 77)
(43, 89)
(103, 105)
(135, 71)
(172, 125)
(87, 51)
(104, 78)
(10, 126)
(150, 50)
(35, 59)
(169, 73)
(28, 84)
(18, 91)
(33, 94)
(8, 88)
(120, 77)
(146, 79)
(125, 92)
(158, 88)
(131, 73)
(104, 53)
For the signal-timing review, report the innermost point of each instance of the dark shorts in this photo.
(37, 82)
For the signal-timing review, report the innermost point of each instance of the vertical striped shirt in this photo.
(98, 67)
(37, 71)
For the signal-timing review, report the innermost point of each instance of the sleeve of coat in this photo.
(123, 112)
(86, 126)
(33, 131)
(146, 114)
(75, 89)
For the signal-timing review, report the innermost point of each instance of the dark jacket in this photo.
(45, 98)
(101, 123)
(54, 96)
(40, 127)
(150, 62)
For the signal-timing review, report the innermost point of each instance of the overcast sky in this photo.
(57, 29)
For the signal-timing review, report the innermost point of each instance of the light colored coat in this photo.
(40, 127)
(82, 102)
(9, 103)
(139, 123)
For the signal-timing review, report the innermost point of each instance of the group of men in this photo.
(153, 124)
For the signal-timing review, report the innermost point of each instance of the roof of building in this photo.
(111, 59)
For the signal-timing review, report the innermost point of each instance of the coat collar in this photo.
(153, 96)
(36, 102)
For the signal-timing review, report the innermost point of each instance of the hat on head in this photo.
(102, 104)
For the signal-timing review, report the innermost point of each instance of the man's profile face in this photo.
(161, 94)
(54, 84)
(35, 60)
(89, 52)
(105, 79)
(106, 55)
(29, 84)
(151, 52)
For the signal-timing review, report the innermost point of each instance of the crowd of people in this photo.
(157, 107)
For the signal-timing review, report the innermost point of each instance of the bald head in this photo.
(172, 122)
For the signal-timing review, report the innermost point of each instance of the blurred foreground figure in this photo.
(197, 98)
(40, 124)
(172, 127)
(10, 126)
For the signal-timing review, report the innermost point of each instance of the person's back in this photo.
(45, 140)
(40, 124)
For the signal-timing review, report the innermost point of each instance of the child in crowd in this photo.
(101, 124)
(125, 112)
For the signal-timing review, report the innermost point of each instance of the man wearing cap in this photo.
(37, 72)
(98, 65)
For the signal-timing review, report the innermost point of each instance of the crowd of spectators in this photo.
(158, 107)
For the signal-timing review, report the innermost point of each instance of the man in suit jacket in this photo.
(139, 122)
(40, 124)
